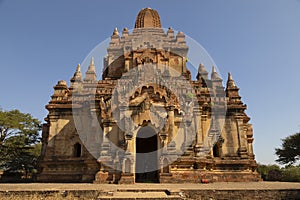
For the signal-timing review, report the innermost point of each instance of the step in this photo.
(140, 194)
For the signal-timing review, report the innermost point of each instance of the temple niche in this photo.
(146, 120)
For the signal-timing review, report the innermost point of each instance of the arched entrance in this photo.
(146, 165)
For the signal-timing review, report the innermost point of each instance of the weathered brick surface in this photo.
(194, 176)
(212, 191)
(242, 194)
(187, 194)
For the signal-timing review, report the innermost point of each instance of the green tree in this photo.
(269, 172)
(275, 175)
(291, 173)
(19, 141)
(289, 153)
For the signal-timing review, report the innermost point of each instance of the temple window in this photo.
(216, 150)
(77, 150)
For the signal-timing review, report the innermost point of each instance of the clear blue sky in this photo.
(41, 42)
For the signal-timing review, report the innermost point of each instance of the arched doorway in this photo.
(146, 165)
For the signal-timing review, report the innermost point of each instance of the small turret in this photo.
(116, 32)
(125, 32)
(170, 32)
(76, 79)
(216, 83)
(230, 81)
(202, 72)
(90, 74)
(115, 38)
(180, 37)
(214, 74)
(60, 92)
(232, 91)
(77, 75)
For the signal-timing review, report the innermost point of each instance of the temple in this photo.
(146, 120)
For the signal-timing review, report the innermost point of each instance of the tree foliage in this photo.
(289, 153)
(291, 174)
(19, 138)
(269, 172)
(288, 173)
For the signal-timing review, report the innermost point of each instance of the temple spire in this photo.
(92, 65)
(214, 73)
(202, 72)
(230, 81)
(78, 68)
(77, 75)
(76, 79)
(232, 92)
(214, 69)
(92, 61)
(216, 83)
(91, 72)
(229, 76)
(202, 69)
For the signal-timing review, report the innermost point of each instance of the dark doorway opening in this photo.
(77, 150)
(146, 156)
(216, 150)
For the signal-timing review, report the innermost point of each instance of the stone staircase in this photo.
(141, 194)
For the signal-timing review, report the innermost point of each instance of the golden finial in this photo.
(92, 61)
(78, 68)
(116, 32)
(214, 69)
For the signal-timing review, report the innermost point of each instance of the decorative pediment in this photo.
(147, 56)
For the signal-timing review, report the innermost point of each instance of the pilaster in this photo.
(242, 138)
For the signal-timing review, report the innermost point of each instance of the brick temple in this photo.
(146, 119)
